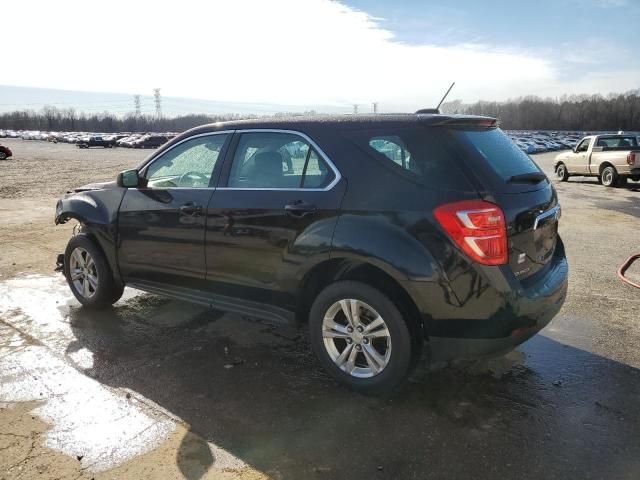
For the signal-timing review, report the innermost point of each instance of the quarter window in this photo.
(277, 160)
(188, 165)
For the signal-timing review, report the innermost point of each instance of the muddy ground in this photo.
(155, 388)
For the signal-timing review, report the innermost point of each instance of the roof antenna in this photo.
(437, 109)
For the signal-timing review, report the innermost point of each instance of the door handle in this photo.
(299, 208)
(191, 208)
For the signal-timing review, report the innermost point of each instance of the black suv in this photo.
(385, 233)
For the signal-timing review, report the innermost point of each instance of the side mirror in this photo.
(128, 179)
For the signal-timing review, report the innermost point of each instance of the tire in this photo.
(635, 178)
(396, 351)
(102, 289)
(609, 176)
(561, 172)
(3, 156)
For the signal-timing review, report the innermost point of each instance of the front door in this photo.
(161, 226)
(578, 162)
(276, 212)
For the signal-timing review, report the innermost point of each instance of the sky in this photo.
(401, 54)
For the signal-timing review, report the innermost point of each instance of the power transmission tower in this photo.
(137, 105)
(355, 108)
(375, 107)
(158, 102)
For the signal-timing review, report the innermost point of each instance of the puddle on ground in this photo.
(102, 426)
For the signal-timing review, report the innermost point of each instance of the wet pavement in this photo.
(239, 398)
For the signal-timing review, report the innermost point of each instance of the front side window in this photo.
(277, 160)
(188, 165)
(584, 145)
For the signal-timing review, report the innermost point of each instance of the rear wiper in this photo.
(531, 177)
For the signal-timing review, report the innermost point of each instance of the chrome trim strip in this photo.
(336, 172)
(552, 211)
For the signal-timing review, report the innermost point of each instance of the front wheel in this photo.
(609, 177)
(561, 172)
(361, 338)
(89, 275)
(3, 156)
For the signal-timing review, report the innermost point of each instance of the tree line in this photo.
(52, 119)
(617, 111)
(576, 112)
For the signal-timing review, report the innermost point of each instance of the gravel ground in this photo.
(45, 170)
(246, 400)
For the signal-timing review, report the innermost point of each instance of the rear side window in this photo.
(277, 161)
(499, 151)
(423, 155)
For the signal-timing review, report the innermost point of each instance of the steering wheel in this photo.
(194, 177)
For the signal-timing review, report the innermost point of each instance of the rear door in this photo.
(514, 182)
(161, 226)
(274, 212)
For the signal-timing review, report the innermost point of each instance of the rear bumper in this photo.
(501, 314)
(447, 348)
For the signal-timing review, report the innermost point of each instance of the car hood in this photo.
(94, 186)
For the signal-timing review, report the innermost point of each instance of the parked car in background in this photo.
(5, 152)
(94, 141)
(611, 158)
(454, 247)
(150, 141)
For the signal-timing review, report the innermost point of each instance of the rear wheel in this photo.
(3, 156)
(88, 274)
(561, 172)
(609, 177)
(360, 337)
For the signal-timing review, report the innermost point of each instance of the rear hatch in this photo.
(510, 178)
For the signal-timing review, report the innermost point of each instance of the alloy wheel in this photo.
(83, 273)
(607, 177)
(356, 338)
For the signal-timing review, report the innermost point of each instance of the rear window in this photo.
(499, 151)
(615, 142)
(423, 155)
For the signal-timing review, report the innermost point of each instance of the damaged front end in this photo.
(95, 208)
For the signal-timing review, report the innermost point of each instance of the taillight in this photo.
(631, 158)
(478, 228)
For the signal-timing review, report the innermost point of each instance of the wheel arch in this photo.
(604, 165)
(97, 212)
(379, 277)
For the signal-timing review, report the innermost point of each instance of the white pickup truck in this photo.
(611, 158)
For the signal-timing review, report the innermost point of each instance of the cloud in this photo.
(281, 51)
